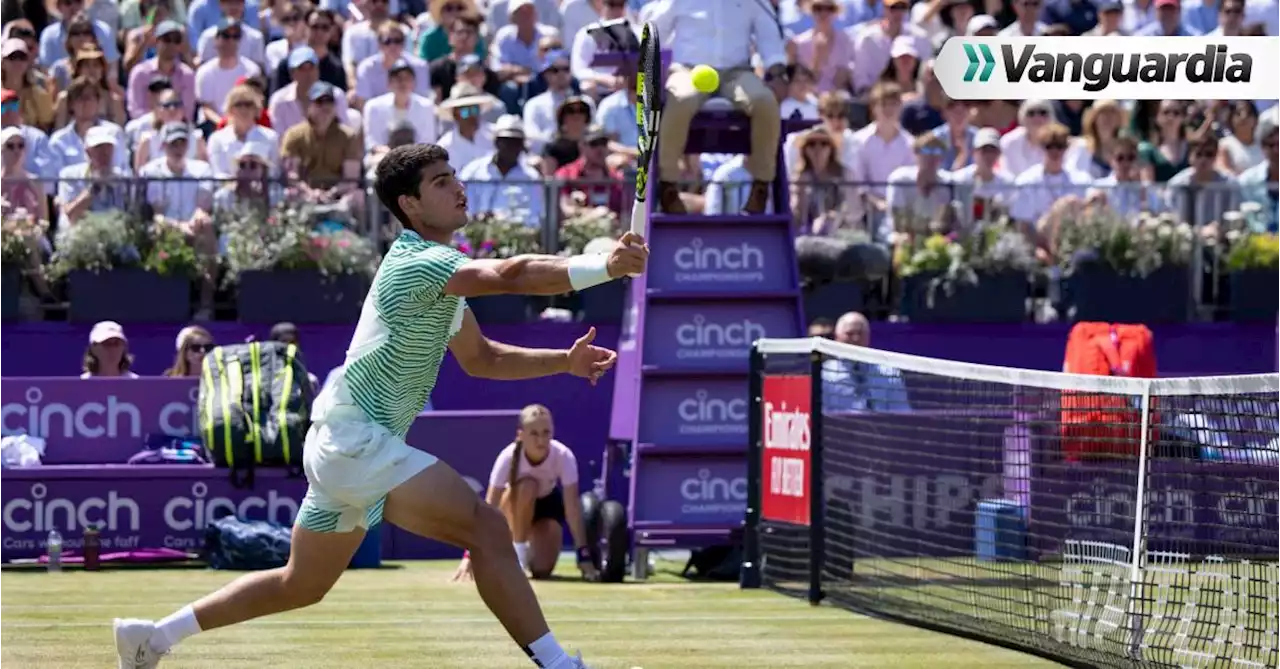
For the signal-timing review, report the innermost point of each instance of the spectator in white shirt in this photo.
(1042, 185)
(982, 186)
(252, 184)
(1241, 150)
(729, 187)
(1202, 193)
(514, 55)
(252, 45)
(1102, 124)
(216, 77)
(502, 13)
(96, 183)
(292, 20)
(151, 141)
(540, 111)
(504, 182)
(1019, 145)
(597, 81)
(800, 103)
(1123, 189)
(719, 33)
(402, 104)
(180, 191)
(1028, 22)
(471, 138)
(920, 194)
(834, 108)
(373, 73)
(881, 147)
(873, 42)
(244, 107)
(577, 15)
(360, 40)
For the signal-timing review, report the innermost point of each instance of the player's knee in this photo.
(301, 590)
(763, 104)
(490, 529)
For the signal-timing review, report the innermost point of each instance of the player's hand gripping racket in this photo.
(648, 116)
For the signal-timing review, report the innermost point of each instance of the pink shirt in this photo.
(839, 54)
(559, 466)
(183, 80)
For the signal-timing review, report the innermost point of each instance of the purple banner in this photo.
(720, 259)
(94, 421)
(690, 491)
(170, 505)
(712, 336)
(693, 412)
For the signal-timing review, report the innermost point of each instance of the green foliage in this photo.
(286, 238)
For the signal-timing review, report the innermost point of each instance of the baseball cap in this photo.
(255, 150)
(554, 56)
(986, 137)
(1110, 6)
(400, 66)
(904, 46)
(172, 132)
(9, 132)
(979, 23)
(320, 89)
(99, 135)
(106, 330)
(226, 23)
(168, 26)
(160, 83)
(13, 45)
(509, 125)
(595, 133)
(516, 5)
(301, 55)
(469, 61)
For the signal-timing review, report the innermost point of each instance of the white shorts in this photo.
(351, 465)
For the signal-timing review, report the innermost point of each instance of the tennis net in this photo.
(1098, 521)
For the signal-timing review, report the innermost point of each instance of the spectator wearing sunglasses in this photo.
(321, 24)
(373, 74)
(1019, 146)
(540, 122)
(36, 102)
(140, 124)
(1123, 189)
(919, 193)
(443, 16)
(39, 161)
(134, 13)
(244, 109)
(982, 183)
(471, 138)
(54, 38)
(67, 145)
(288, 105)
(362, 39)
(515, 48)
(140, 40)
(401, 104)
(1259, 183)
(253, 183)
(450, 69)
(205, 14)
(500, 13)
(598, 81)
(1044, 184)
(193, 343)
(1028, 22)
(293, 34)
(152, 144)
(252, 44)
(216, 77)
(167, 64)
(1202, 192)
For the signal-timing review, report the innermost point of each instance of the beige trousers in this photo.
(747, 92)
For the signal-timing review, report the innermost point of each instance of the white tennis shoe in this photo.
(133, 644)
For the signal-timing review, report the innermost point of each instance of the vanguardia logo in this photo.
(1093, 68)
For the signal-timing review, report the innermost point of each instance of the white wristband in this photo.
(587, 270)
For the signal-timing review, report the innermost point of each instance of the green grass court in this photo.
(409, 615)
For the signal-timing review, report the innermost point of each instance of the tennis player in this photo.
(535, 483)
(359, 468)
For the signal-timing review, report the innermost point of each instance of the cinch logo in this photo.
(1088, 68)
(785, 430)
(197, 511)
(737, 335)
(91, 420)
(701, 408)
(713, 489)
(39, 513)
(702, 262)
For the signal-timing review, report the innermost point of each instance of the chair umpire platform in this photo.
(678, 430)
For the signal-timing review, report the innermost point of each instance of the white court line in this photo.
(619, 603)
(360, 622)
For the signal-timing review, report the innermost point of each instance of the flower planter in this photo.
(832, 300)
(996, 298)
(499, 309)
(1095, 292)
(10, 293)
(1254, 296)
(300, 296)
(604, 304)
(131, 295)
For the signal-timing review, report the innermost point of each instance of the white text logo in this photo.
(702, 339)
(41, 513)
(197, 511)
(703, 414)
(111, 418)
(700, 262)
(708, 494)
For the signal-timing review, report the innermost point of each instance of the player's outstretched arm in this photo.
(482, 357)
(548, 275)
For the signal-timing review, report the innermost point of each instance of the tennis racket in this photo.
(648, 115)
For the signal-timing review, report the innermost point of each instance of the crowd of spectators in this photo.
(203, 98)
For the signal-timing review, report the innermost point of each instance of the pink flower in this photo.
(344, 243)
(164, 255)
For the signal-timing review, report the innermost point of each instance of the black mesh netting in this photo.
(1022, 515)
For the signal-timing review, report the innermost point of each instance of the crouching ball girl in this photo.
(534, 483)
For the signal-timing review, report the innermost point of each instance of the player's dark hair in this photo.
(400, 171)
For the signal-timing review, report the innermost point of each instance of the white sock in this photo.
(547, 653)
(522, 554)
(178, 626)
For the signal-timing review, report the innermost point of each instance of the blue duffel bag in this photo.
(231, 543)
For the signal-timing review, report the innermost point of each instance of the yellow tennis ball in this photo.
(706, 79)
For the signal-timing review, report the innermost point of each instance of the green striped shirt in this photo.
(403, 332)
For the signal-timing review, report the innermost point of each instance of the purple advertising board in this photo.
(712, 336)
(690, 491)
(693, 412)
(740, 259)
(154, 506)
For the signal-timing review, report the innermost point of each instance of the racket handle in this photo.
(639, 220)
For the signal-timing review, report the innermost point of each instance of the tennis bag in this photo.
(1100, 426)
(231, 543)
(255, 407)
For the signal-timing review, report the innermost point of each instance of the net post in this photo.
(817, 499)
(1139, 529)
(749, 576)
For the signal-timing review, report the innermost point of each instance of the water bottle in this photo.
(54, 546)
(92, 548)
